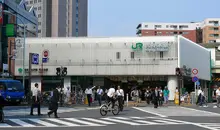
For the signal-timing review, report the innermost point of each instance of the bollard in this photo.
(127, 99)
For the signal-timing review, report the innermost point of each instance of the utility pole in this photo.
(179, 81)
(29, 75)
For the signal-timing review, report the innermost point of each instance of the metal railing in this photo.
(138, 61)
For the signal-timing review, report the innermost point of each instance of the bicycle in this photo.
(107, 107)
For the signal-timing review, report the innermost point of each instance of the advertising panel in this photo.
(193, 56)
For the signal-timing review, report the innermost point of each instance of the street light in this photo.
(23, 64)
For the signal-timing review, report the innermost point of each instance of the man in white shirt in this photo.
(111, 96)
(67, 95)
(88, 92)
(218, 96)
(120, 94)
(35, 99)
(99, 95)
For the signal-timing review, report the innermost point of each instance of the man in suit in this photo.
(53, 106)
(155, 97)
(2, 104)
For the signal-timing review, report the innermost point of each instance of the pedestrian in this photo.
(36, 100)
(2, 104)
(67, 95)
(120, 94)
(135, 96)
(99, 95)
(88, 92)
(53, 105)
(155, 97)
(166, 94)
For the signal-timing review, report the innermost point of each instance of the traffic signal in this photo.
(58, 71)
(178, 72)
(64, 71)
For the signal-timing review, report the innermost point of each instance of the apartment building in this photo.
(61, 18)
(206, 31)
(211, 30)
(188, 30)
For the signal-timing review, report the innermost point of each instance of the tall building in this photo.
(18, 19)
(61, 18)
(206, 31)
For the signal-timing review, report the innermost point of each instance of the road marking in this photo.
(99, 121)
(63, 122)
(145, 122)
(166, 122)
(43, 122)
(149, 112)
(122, 118)
(121, 121)
(21, 123)
(82, 122)
(4, 125)
(201, 111)
(191, 123)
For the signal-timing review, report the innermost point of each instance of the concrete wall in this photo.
(194, 56)
(97, 56)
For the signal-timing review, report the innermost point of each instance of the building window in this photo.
(39, 31)
(157, 26)
(39, 1)
(39, 8)
(39, 15)
(132, 55)
(146, 26)
(118, 55)
(212, 41)
(35, 1)
(167, 26)
(31, 2)
(39, 23)
(185, 32)
(161, 55)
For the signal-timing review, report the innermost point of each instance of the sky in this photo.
(121, 17)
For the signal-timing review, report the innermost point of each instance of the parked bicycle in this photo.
(107, 107)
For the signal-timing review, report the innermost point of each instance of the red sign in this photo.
(45, 53)
(195, 71)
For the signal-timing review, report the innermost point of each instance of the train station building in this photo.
(125, 61)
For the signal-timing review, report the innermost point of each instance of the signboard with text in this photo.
(151, 47)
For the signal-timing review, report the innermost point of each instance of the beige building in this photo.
(211, 30)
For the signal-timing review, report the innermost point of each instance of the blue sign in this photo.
(44, 60)
(194, 79)
(35, 58)
(197, 83)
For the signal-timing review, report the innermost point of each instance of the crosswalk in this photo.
(211, 126)
(87, 122)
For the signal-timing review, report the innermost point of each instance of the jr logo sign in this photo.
(138, 46)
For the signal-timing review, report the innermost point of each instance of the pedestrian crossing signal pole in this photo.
(61, 72)
(179, 78)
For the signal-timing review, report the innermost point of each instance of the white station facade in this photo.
(125, 61)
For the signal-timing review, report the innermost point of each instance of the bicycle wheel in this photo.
(116, 109)
(104, 110)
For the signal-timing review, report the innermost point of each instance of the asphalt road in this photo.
(166, 118)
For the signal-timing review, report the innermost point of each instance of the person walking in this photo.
(53, 106)
(2, 104)
(35, 100)
(155, 97)
(99, 95)
(120, 94)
